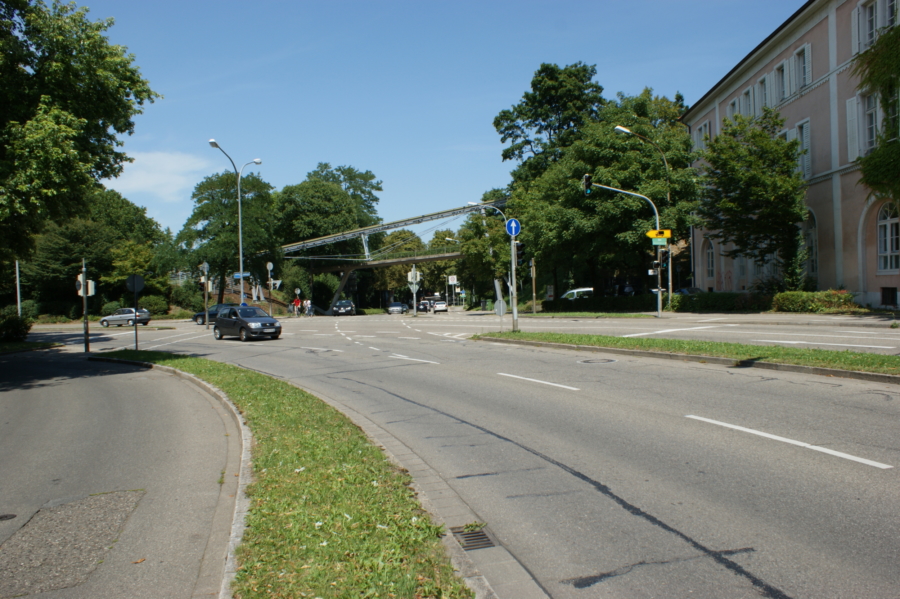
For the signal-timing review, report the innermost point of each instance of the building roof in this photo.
(747, 58)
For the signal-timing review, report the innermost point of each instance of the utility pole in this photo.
(84, 296)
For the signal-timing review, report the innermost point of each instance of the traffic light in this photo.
(664, 256)
(520, 252)
(655, 265)
(586, 183)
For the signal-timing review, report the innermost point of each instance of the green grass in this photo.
(330, 516)
(7, 347)
(841, 360)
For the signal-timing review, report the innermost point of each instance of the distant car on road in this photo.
(423, 307)
(688, 291)
(397, 308)
(440, 307)
(127, 317)
(246, 322)
(343, 307)
(200, 317)
(578, 293)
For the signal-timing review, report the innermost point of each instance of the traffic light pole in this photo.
(84, 293)
(513, 295)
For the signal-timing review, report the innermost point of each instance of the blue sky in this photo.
(408, 90)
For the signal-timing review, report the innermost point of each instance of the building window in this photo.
(747, 103)
(870, 122)
(801, 68)
(804, 162)
(889, 296)
(733, 109)
(870, 23)
(888, 238)
(710, 261)
(891, 13)
(700, 136)
(761, 100)
(781, 88)
(812, 246)
(742, 267)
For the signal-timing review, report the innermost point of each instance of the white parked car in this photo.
(126, 316)
(440, 307)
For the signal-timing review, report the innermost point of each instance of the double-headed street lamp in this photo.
(621, 129)
(238, 174)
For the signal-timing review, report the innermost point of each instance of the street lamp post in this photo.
(656, 214)
(621, 129)
(238, 174)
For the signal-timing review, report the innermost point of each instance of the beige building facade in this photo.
(804, 70)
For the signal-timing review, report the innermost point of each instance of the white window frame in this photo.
(812, 245)
(733, 109)
(762, 94)
(868, 20)
(700, 136)
(710, 260)
(747, 108)
(803, 67)
(870, 122)
(888, 227)
(782, 82)
(742, 267)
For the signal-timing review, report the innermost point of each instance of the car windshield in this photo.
(344, 303)
(396, 305)
(252, 313)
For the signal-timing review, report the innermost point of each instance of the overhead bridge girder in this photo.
(397, 224)
(386, 263)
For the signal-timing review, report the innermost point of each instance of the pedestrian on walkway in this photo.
(295, 306)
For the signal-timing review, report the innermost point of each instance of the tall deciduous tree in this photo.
(66, 94)
(879, 71)
(549, 117)
(393, 278)
(361, 186)
(755, 197)
(211, 232)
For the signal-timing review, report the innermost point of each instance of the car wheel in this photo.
(217, 333)
(244, 336)
(104, 324)
(130, 322)
(276, 336)
(200, 320)
(143, 324)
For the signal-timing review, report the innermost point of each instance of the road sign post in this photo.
(513, 227)
(84, 293)
(135, 283)
(205, 268)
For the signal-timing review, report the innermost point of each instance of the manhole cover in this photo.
(7, 516)
(470, 540)
(596, 361)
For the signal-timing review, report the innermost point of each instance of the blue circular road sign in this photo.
(513, 227)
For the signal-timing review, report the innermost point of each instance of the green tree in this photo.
(485, 248)
(592, 239)
(361, 186)
(133, 258)
(66, 94)
(108, 207)
(549, 117)
(879, 71)
(211, 232)
(393, 278)
(755, 197)
(434, 273)
(315, 208)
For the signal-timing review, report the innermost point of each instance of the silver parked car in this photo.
(127, 317)
(398, 308)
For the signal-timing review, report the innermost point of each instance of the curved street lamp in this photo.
(627, 131)
(238, 174)
(587, 181)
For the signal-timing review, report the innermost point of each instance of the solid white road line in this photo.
(413, 359)
(407, 337)
(669, 331)
(712, 319)
(174, 342)
(323, 349)
(375, 348)
(846, 456)
(819, 343)
(537, 381)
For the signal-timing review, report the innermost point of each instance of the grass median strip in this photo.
(330, 516)
(821, 358)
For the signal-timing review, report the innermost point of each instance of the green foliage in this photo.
(755, 197)
(878, 69)
(721, 302)
(30, 309)
(109, 307)
(211, 232)
(132, 258)
(66, 94)
(155, 304)
(833, 300)
(360, 186)
(108, 207)
(393, 278)
(13, 328)
(187, 296)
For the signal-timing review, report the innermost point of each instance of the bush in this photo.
(30, 309)
(620, 303)
(59, 307)
(722, 302)
(155, 304)
(833, 300)
(109, 307)
(188, 297)
(13, 328)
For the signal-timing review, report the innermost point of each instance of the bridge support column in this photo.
(365, 240)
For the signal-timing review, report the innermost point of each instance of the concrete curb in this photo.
(241, 501)
(890, 379)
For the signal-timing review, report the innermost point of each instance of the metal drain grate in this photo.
(470, 540)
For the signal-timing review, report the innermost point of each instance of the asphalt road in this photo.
(619, 477)
(111, 477)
